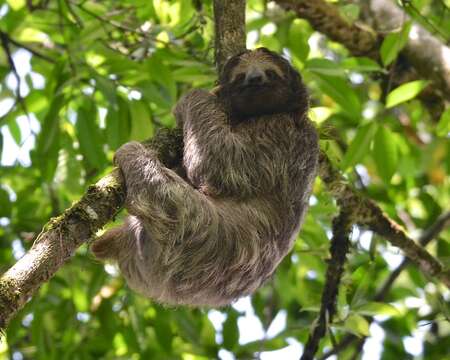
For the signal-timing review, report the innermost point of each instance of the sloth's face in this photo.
(261, 82)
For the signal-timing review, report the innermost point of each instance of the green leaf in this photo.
(188, 325)
(230, 330)
(257, 346)
(163, 329)
(48, 141)
(385, 153)
(107, 87)
(359, 146)
(16, 4)
(361, 279)
(194, 75)
(118, 124)
(141, 123)
(5, 204)
(393, 44)
(376, 308)
(88, 133)
(341, 92)
(108, 321)
(356, 324)
(298, 39)
(160, 72)
(443, 127)
(361, 64)
(14, 129)
(153, 94)
(324, 66)
(405, 92)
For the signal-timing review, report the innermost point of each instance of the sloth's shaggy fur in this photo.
(250, 158)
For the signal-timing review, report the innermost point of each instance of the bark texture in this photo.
(325, 18)
(229, 17)
(62, 235)
(368, 214)
(339, 249)
(427, 54)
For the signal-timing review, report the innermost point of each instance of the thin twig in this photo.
(26, 47)
(5, 44)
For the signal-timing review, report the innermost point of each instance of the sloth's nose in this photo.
(254, 77)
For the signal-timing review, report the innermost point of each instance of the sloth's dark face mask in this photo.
(260, 82)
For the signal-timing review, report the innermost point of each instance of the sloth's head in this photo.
(260, 82)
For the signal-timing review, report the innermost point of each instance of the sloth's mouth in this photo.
(254, 87)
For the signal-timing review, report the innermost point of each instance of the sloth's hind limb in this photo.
(163, 202)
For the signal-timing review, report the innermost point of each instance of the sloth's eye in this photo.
(271, 74)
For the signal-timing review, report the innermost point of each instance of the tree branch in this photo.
(325, 18)
(367, 213)
(429, 56)
(229, 19)
(62, 235)
(431, 233)
(339, 248)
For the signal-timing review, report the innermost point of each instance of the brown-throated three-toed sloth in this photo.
(250, 158)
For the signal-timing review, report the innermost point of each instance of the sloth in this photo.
(218, 230)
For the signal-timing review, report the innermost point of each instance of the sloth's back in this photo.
(227, 246)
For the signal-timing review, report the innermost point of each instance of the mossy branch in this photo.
(367, 213)
(62, 235)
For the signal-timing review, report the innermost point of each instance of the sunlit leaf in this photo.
(393, 44)
(405, 92)
(32, 35)
(357, 325)
(16, 4)
(376, 308)
(443, 127)
(361, 64)
(15, 132)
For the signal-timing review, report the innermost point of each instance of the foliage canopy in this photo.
(80, 78)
